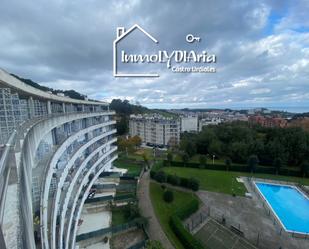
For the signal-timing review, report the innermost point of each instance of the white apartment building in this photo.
(209, 121)
(52, 150)
(189, 123)
(155, 130)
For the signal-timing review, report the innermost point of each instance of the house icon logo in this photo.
(122, 34)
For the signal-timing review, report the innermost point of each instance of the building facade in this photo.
(267, 121)
(155, 130)
(52, 149)
(189, 123)
(209, 121)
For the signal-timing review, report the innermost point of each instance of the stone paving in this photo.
(249, 215)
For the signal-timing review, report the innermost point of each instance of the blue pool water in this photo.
(289, 204)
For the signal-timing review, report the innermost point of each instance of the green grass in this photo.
(211, 180)
(164, 210)
(118, 217)
(133, 169)
(225, 181)
(196, 159)
(138, 155)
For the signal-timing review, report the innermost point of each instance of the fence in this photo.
(114, 229)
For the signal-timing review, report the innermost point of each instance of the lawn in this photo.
(211, 180)
(139, 154)
(196, 159)
(164, 210)
(225, 181)
(133, 169)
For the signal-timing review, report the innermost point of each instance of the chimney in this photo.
(120, 31)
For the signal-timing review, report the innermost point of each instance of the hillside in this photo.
(70, 93)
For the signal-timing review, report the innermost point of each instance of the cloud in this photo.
(262, 49)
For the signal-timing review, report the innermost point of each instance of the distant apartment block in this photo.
(52, 150)
(209, 121)
(189, 123)
(266, 121)
(155, 130)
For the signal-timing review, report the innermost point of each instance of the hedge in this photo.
(161, 177)
(238, 168)
(188, 210)
(185, 237)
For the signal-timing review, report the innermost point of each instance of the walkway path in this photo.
(154, 228)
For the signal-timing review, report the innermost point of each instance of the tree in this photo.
(203, 161)
(228, 163)
(215, 147)
(253, 162)
(277, 164)
(305, 168)
(185, 158)
(188, 146)
(169, 158)
(146, 160)
(168, 196)
(137, 141)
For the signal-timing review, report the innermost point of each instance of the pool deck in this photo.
(259, 226)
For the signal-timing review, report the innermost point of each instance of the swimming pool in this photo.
(289, 205)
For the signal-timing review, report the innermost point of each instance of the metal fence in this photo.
(113, 230)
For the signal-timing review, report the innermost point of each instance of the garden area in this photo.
(225, 181)
(165, 209)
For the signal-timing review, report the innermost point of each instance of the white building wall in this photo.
(189, 124)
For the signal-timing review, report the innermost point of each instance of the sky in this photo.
(261, 46)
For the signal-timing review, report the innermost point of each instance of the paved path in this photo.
(154, 228)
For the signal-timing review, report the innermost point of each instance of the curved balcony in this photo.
(25, 162)
(69, 165)
(51, 169)
(75, 202)
(72, 186)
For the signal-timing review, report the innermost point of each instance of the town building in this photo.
(209, 121)
(189, 123)
(52, 150)
(267, 121)
(155, 130)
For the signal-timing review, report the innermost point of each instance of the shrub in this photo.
(186, 239)
(160, 176)
(173, 179)
(154, 244)
(189, 209)
(131, 211)
(152, 174)
(168, 196)
(193, 184)
(184, 182)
